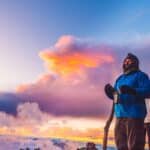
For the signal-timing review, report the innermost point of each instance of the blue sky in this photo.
(28, 26)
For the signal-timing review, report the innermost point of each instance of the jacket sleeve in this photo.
(143, 89)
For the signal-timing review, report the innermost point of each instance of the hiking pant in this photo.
(147, 131)
(129, 134)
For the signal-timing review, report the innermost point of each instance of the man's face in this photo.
(127, 63)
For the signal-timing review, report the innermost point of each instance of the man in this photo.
(129, 94)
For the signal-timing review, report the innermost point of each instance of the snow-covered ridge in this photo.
(32, 143)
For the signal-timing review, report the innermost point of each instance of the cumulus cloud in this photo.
(28, 114)
(71, 56)
(31, 121)
(76, 72)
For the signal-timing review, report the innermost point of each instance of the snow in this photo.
(18, 143)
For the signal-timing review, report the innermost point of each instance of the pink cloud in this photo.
(79, 91)
(71, 56)
(74, 84)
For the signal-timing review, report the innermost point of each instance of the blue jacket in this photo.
(132, 106)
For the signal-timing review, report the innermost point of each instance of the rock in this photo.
(89, 146)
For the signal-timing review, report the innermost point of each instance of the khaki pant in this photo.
(129, 134)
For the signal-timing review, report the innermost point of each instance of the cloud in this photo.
(68, 99)
(70, 56)
(28, 114)
(75, 76)
(76, 72)
(9, 102)
(31, 121)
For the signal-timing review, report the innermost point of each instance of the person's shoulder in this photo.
(119, 77)
(141, 73)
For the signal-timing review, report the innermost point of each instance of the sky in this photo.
(56, 57)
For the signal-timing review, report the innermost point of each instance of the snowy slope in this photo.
(17, 143)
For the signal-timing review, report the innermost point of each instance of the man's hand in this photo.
(109, 90)
(125, 89)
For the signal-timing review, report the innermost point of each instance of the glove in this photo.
(125, 89)
(109, 90)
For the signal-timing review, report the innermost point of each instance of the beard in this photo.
(128, 68)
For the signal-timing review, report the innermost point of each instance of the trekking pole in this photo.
(106, 128)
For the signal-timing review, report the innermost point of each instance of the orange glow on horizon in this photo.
(93, 135)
